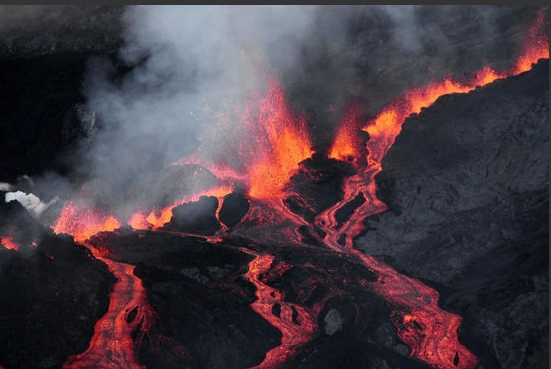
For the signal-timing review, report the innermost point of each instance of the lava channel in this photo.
(297, 325)
(112, 345)
(429, 331)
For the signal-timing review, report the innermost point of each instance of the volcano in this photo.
(396, 219)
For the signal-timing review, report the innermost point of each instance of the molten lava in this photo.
(348, 145)
(536, 46)
(158, 218)
(113, 345)
(82, 222)
(430, 332)
(9, 243)
(275, 144)
(294, 334)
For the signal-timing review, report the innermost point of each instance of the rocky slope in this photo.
(467, 186)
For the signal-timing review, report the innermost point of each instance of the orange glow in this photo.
(536, 46)
(112, 345)
(388, 124)
(138, 221)
(83, 223)
(430, 332)
(9, 243)
(348, 144)
(275, 144)
(293, 335)
(158, 218)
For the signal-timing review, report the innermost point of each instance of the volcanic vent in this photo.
(408, 233)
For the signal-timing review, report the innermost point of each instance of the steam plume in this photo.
(183, 74)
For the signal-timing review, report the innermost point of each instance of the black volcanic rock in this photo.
(53, 292)
(196, 217)
(467, 185)
(200, 298)
(38, 30)
(317, 185)
(43, 56)
(234, 206)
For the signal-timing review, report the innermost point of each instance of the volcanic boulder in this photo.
(197, 217)
(234, 206)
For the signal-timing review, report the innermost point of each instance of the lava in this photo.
(275, 143)
(83, 222)
(158, 218)
(536, 47)
(278, 142)
(112, 345)
(9, 243)
(347, 144)
(294, 334)
(430, 332)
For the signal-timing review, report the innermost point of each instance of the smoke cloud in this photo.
(179, 82)
(30, 201)
(189, 68)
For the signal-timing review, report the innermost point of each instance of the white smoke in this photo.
(190, 68)
(30, 201)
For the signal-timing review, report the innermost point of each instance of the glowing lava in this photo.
(158, 218)
(295, 331)
(82, 222)
(348, 145)
(9, 243)
(430, 332)
(112, 345)
(275, 144)
(536, 47)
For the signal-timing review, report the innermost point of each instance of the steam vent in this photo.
(274, 187)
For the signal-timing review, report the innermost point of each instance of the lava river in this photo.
(430, 332)
(112, 345)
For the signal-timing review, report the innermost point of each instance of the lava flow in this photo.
(295, 331)
(430, 332)
(279, 143)
(158, 218)
(9, 243)
(112, 344)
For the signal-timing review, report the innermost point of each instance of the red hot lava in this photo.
(9, 243)
(280, 143)
(112, 344)
(430, 332)
(293, 335)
